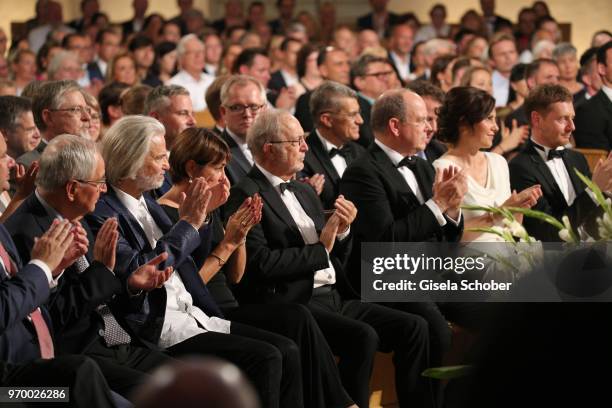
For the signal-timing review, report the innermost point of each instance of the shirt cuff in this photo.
(47, 271)
(345, 234)
(457, 221)
(433, 207)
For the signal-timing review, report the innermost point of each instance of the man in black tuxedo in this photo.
(594, 117)
(294, 255)
(433, 97)
(91, 299)
(331, 145)
(400, 46)
(333, 65)
(180, 315)
(399, 196)
(286, 76)
(370, 76)
(136, 24)
(546, 162)
(242, 98)
(379, 20)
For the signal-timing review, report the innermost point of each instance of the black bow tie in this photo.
(555, 153)
(410, 161)
(343, 151)
(286, 186)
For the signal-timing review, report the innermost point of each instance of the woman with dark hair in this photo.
(306, 67)
(197, 152)
(164, 66)
(467, 123)
(418, 64)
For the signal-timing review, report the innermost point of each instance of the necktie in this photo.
(114, 334)
(286, 186)
(9, 266)
(45, 343)
(42, 333)
(410, 161)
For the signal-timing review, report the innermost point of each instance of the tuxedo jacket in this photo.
(302, 111)
(280, 265)
(133, 250)
(239, 166)
(528, 168)
(520, 115)
(594, 123)
(317, 160)
(434, 150)
(388, 210)
(19, 296)
(73, 303)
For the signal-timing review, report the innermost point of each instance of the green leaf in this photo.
(542, 216)
(448, 373)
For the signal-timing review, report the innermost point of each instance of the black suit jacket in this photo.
(277, 82)
(239, 166)
(19, 296)
(317, 160)
(367, 22)
(302, 111)
(280, 265)
(133, 250)
(434, 150)
(520, 115)
(72, 305)
(388, 210)
(528, 169)
(594, 123)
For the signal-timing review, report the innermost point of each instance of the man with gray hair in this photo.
(171, 105)
(192, 61)
(296, 256)
(65, 65)
(331, 145)
(92, 298)
(182, 316)
(59, 107)
(17, 125)
(242, 99)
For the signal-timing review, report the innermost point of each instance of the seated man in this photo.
(331, 145)
(90, 302)
(546, 162)
(182, 316)
(294, 256)
(28, 354)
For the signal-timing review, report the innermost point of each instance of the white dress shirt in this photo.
(402, 65)
(607, 91)
(412, 182)
(196, 87)
(501, 88)
(242, 144)
(338, 161)
(289, 78)
(183, 320)
(559, 173)
(305, 225)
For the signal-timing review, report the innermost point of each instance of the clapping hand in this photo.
(51, 247)
(147, 277)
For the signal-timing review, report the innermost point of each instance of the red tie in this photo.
(45, 342)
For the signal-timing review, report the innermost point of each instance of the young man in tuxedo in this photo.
(545, 161)
(331, 145)
(294, 255)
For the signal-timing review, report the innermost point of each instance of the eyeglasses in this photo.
(297, 142)
(242, 108)
(75, 110)
(100, 185)
(379, 75)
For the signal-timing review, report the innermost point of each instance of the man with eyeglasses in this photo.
(58, 107)
(296, 256)
(89, 306)
(192, 61)
(242, 98)
(331, 145)
(370, 76)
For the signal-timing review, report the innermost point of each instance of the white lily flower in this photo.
(565, 235)
(516, 229)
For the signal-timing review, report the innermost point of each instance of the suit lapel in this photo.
(307, 204)
(544, 172)
(393, 174)
(135, 232)
(159, 216)
(271, 196)
(571, 165)
(318, 150)
(237, 154)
